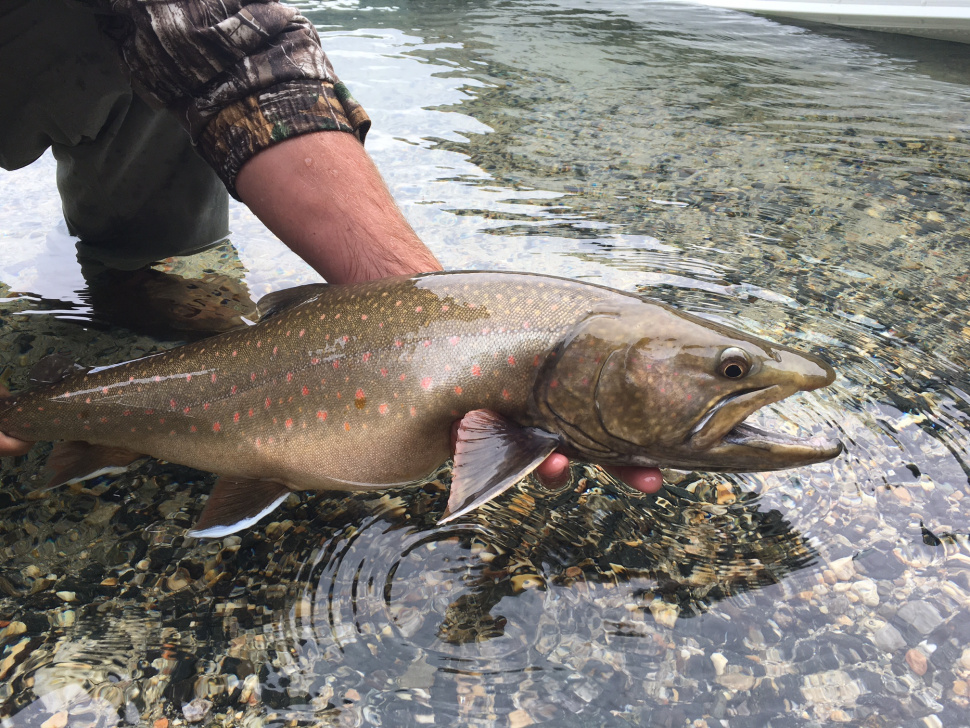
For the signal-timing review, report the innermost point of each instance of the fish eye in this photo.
(734, 363)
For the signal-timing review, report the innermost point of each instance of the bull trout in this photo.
(356, 387)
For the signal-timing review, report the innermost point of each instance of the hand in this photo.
(324, 198)
(554, 471)
(9, 446)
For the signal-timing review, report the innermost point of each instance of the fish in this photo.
(356, 387)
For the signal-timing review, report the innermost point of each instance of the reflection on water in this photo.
(805, 184)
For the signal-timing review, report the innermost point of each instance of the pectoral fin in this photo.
(492, 454)
(74, 462)
(235, 504)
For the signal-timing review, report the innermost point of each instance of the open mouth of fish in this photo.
(724, 426)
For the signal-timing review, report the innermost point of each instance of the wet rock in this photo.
(921, 616)
(196, 710)
(916, 661)
(888, 638)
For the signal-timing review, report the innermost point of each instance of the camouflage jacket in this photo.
(239, 74)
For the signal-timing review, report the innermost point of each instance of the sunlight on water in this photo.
(808, 185)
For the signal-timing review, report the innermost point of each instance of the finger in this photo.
(9, 446)
(553, 472)
(646, 480)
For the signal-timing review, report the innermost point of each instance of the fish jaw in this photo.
(724, 438)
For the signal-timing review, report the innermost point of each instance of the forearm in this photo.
(321, 194)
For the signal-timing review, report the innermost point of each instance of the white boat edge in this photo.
(926, 19)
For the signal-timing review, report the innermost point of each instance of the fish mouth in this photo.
(723, 432)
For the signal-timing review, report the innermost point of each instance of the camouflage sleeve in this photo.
(239, 74)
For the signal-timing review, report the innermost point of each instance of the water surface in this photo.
(805, 184)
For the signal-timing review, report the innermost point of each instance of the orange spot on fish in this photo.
(206, 406)
(347, 426)
(259, 344)
(413, 411)
(382, 409)
(192, 428)
(363, 317)
(453, 340)
(104, 420)
(366, 355)
(535, 362)
(383, 372)
(418, 309)
(275, 349)
(505, 394)
(398, 303)
(302, 331)
(252, 377)
(259, 442)
(161, 420)
(305, 390)
(397, 343)
(250, 412)
(345, 339)
(401, 377)
(104, 390)
(289, 423)
(289, 376)
(315, 360)
(213, 378)
(171, 403)
(359, 394)
(268, 402)
(511, 361)
(426, 382)
(234, 352)
(235, 417)
(185, 410)
(476, 370)
(444, 308)
(554, 383)
(457, 390)
(157, 378)
(526, 325)
(336, 364)
(234, 389)
(427, 342)
(87, 400)
(188, 377)
(321, 415)
(216, 427)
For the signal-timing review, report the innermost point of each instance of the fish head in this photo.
(660, 387)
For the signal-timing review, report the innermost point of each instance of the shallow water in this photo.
(805, 184)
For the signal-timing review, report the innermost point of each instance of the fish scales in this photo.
(349, 389)
(357, 387)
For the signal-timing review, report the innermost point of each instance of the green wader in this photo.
(132, 187)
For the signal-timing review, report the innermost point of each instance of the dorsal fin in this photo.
(53, 368)
(273, 303)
